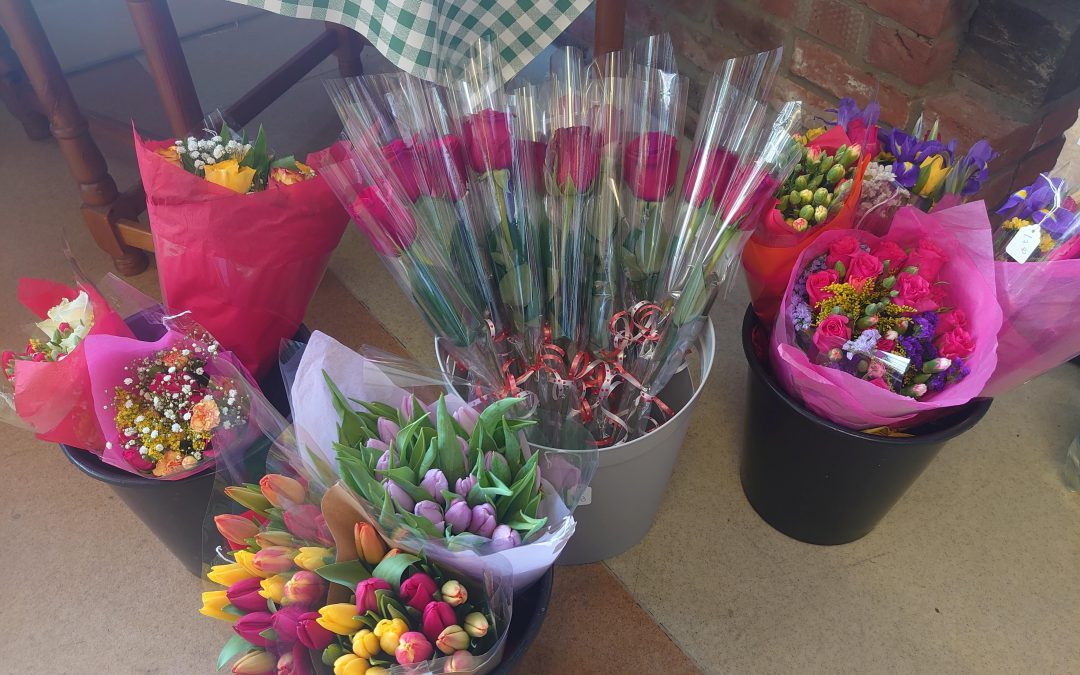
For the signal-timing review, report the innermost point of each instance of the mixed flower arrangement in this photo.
(228, 159)
(169, 408)
(64, 328)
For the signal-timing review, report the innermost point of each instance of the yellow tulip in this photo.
(246, 559)
(357, 667)
(389, 632)
(229, 174)
(365, 644)
(255, 662)
(344, 661)
(339, 618)
(214, 604)
(227, 575)
(936, 176)
(312, 558)
(273, 588)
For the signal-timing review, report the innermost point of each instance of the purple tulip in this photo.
(250, 625)
(458, 515)
(286, 623)
(377, 444)
(505, 537)
(434, 483)
(365, 594)
(463, 485)
(432, 511)
(436, 617)
(562, 474)
(388, 430)
(384, 460)
(245, 595)
(398, 495)
(482, 521)
(406, 407)
(467, 416)
(492, 458)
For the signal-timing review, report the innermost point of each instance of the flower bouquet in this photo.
(47, 386)
(885, 331)
(432, 472)
(243, 238)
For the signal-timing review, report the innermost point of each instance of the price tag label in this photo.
(1024, 242)
(586, 496)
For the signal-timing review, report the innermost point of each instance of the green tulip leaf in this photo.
(347, 574)
(235, 646)
(391, 569)
(428, 460)
(270, 634)
(511, 448)
(450, 460)
(351, 430)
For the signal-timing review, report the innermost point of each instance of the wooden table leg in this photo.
(610, 26)
(157, 34)
(18, 95)
(69, 127)
(350, 44)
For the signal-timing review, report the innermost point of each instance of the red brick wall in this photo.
(1006, 70)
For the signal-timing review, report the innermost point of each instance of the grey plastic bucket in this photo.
(621, 503)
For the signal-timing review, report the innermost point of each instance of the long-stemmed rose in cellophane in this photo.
(242, 238)
(46, 386)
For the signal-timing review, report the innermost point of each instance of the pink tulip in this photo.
(286, 623)
(274, 560)
(365, 594)
(245, 595)
(417, 591)
(310, 634)
(304, 589)
(250, 625)
(413, 648)
(436, 617)
(302, 521)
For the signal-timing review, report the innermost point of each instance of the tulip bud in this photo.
(398, 495)
(434, 483)
(302, 520)
(452, 639)
(388, 430)
(369, 545)
(412, 648)
(246, 559)
(342, 665)
(250, 626)
(310, 634)
(273, 588)
(366, 601)
(255, 662)
(229, 574)
(245, 595)
(467, 416)
(365, 644)
(332, 653)
(214, 604)
(286, 624)
(323, 535)
(458, 514)
(273, 560)
(338, 618)
(417, 591)
(505, 537)
(282, 491)
(461, 662)
(236, 529)
(304, 589)
(800, 224)
(249, 497)
(462, 486)
(436, 616)
(482, 522)
(430, 510)
(454, 593)
(312, 558)
(274, 538)
(377, 670)
(476, 624)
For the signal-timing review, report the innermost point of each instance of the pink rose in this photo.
(956, 344)
(863, 267)
(913, 290)
(401, 160)
(650, 164)
(950, 321)
(816, 283)
(891, 251)
(487, 141)
(928, 258)
(832, 333)
(841, 250)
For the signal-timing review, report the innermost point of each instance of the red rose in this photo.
(577, 158)
(713, 174)
(816, 283)
(863, 267)
(886, 345)
(444, 167)
(841, 250)
(386, 222)
(137, 461)
(913, 291)
(533, 154)
(859, 135)
(928, 258)
(487, 141)
(832, 333)
(650, 164)
(891, 251)
(950, 321)
(956, 344)
(402, 163)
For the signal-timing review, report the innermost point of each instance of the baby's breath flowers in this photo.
(168, 409)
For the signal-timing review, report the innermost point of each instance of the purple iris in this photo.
(910, 151)
(1041, 194)
(974, 167)
(847, 110)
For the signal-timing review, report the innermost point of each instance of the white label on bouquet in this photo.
(1024, 242)
(586, 496)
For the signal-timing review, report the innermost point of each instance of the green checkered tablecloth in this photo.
(421, 36)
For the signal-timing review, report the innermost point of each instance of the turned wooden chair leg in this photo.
(610, 26)
(17, 94)
(157, 34)
(350, 44)
(84, 159)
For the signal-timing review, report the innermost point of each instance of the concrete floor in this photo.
(974, 570)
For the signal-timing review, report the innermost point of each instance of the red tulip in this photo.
(650, 164)
(444, 167)
(387, 222)
(487, 141)
(577, 158)
(401, 160)
(250, 625)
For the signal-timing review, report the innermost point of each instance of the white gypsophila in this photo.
(199, 164)
(219, 152)
(216, 138)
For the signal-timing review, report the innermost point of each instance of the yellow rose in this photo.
(213, 606)
(229, 174)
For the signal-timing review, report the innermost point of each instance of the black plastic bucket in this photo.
(821, 483)
(529, 611)
(175, 510)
